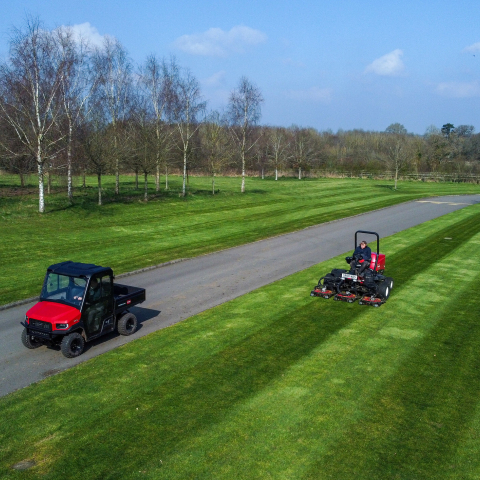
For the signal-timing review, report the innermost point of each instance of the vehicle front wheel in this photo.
(72, 345)
(29, 341)
(127, 324)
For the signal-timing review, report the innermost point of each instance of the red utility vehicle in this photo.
(370, 288)
(79, 302)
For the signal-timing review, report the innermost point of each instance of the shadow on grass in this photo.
(387, 187)
(142, 314)
(413, 428)
(171, 413)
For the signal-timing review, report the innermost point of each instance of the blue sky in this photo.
(329, 65)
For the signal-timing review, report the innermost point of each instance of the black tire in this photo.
(72, 345)
(127, 324)
(29, 341)
(383, 290)
(389, 282)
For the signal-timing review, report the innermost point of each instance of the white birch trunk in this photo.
(69, 162)
(41, 194)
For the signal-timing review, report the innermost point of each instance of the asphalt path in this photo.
(182, 289)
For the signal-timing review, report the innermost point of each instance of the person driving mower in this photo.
(362, 254)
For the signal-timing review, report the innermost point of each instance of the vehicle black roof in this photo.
(77, 269)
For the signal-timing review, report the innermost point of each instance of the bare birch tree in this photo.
(30, 84)
(157, 81)
(215, 145)
(93, 135)
(187, 108)
(398, 153)
(244, 111)
(142, 140)
(302, 149)
(278, 148)
(76, 87)
(114, 70)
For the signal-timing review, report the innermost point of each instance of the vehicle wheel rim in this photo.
(76, 346)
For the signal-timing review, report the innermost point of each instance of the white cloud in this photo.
(218, 43)
(389, 65)
(216, 80)
(87, 32)
(474, 48)
(459, 89)
(313, 94)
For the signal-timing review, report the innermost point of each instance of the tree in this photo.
(302, 149)
(157, 80)
(30, 84)
(114, 71)
(396, 128)
(215, 145)
(447, 129)
(142, 152)
(398, 153)
(465, 131)
(260, 151)
(278, 148)
(187, 108)
(76, 88)
(244, 111)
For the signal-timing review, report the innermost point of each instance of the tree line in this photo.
(70, 108)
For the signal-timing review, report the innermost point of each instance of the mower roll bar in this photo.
(369, 233)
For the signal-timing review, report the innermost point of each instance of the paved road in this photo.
(180, 290)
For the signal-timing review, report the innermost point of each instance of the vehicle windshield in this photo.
(64, 289)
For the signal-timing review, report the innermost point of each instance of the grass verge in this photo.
(277, 384)
(127, 233)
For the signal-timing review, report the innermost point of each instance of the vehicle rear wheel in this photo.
(29, 341)
(72, 345)
(383, 290)
(127, 324)
(389, 282)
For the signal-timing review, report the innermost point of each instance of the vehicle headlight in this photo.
(61, 326)
(26, 319)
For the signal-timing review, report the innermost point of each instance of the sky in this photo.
(337, 65)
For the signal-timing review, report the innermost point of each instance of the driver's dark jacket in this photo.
(364, 253)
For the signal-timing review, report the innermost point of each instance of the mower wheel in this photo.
(127, 324)
(389, 282)
(383, 290)
(29, 341)
(72, 345)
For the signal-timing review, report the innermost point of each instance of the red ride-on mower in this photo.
(369, 288)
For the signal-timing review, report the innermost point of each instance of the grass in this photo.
(127, 233)
(277, 384)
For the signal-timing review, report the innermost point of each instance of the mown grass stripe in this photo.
(128, 234)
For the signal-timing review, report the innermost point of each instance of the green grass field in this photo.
(127, 233)
(277, 384)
